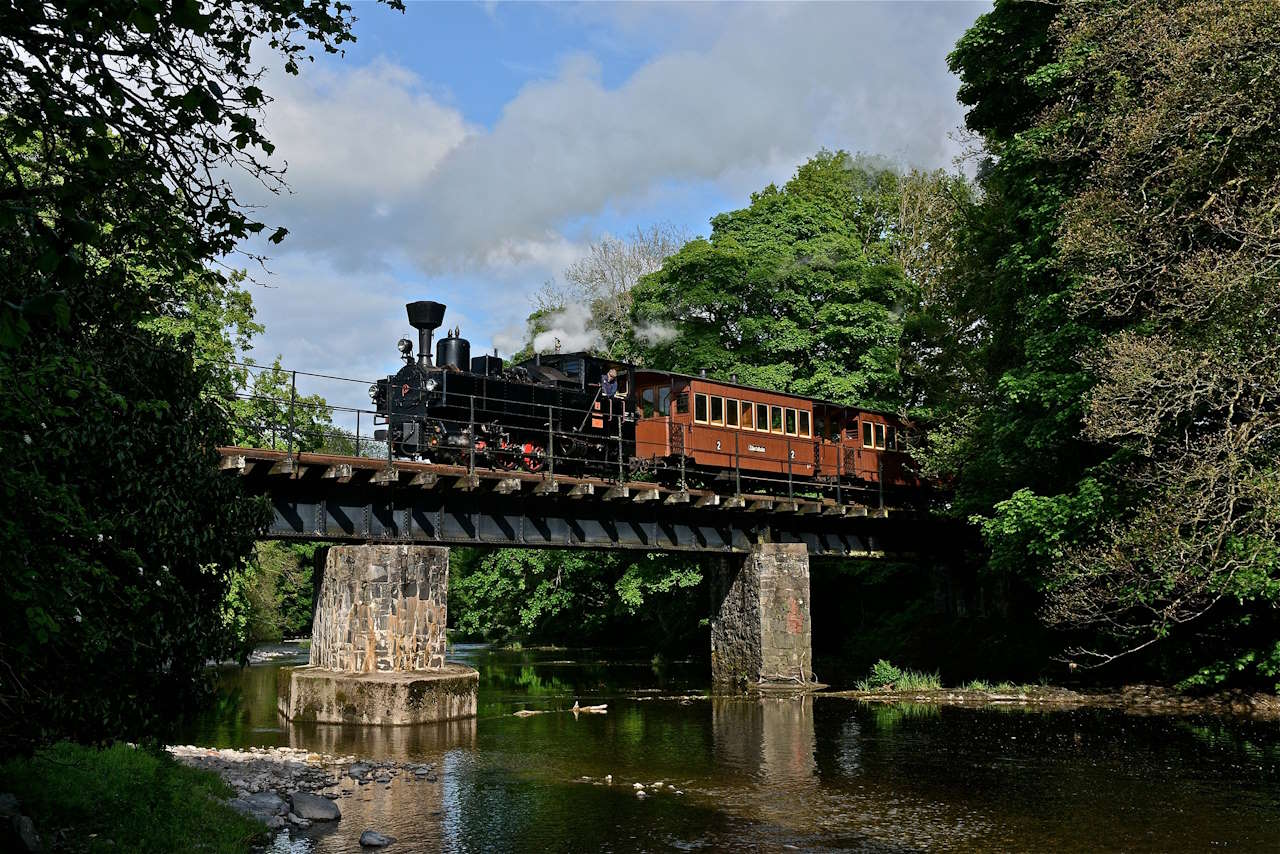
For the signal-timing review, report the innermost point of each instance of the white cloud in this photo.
(395, 194)
(378, 165)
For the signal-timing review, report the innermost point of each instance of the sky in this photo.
(467, 153)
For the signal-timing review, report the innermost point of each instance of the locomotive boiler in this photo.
(458, 408)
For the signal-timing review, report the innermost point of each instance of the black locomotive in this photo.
(462, 408)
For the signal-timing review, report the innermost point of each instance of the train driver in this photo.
(609, 383)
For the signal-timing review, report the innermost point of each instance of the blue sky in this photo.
(469, 152)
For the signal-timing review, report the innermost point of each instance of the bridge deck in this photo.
(329, 497)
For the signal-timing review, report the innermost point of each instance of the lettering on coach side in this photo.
(756, 449)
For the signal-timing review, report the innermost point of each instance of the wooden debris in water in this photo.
(601, 709)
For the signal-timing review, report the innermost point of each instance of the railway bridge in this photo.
(409, 513)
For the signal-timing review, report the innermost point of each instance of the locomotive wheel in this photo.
(532, 459)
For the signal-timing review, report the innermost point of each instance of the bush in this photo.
(886, 676)
(125, 799)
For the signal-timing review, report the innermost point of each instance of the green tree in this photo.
(119, 124)
(612, 597)
(270, 413)
(1118, 438)
(801, 291)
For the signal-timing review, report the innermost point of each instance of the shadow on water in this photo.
(771, 774)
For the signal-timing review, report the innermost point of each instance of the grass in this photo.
(125, 799)
(885, 676)
(998, 687)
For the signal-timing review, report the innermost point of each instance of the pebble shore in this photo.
(286, 786)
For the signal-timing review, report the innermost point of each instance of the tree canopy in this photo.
(120, 125)
(804, 290)
(1118, 431)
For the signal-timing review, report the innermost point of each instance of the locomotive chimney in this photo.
(425, 316)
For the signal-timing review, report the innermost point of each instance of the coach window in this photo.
(879, 435)
(748, 410)
(700, 408)
(775, 419)
(730, 412)
(791, 422)
(664, 400)
(891, 438)
(804, 425)
(762, 418)
(866, 435)
(717, 410)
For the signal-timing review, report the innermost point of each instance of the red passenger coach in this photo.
(765, 436)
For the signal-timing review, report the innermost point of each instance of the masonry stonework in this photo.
(378, 643)
(381, 607)
(760, 629)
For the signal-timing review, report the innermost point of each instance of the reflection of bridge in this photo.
(341, 498)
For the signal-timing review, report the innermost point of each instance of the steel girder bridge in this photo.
(326, 497)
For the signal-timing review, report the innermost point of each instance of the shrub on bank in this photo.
(886, 676)
(125, 799)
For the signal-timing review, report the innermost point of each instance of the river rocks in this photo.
(314, 808)
(284, 787)
(17, 831)
(374, 839)
(262, 803)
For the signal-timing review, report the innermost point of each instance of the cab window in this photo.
(700, 408)
(682, 403)
(762, 418)
(804, 424)
(748, 410)
(775, 419)
(664, 400)
(866, 435)
(791, 422)
(648, 402)
(717, 410)
(879, 435)
(730, 412)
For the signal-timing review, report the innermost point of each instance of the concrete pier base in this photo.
(315, 695)
(760, 627)
(378, 643)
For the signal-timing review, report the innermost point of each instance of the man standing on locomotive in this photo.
(609, 388)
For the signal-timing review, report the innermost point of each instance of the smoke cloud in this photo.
(656, 333)
(571, 328)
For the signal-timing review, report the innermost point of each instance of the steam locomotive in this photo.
(559, 413)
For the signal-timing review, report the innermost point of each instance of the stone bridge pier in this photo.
(378, 643)
(761, 636)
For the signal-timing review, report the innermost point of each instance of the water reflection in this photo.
(403, 743)
(771, 774)
(769, 738)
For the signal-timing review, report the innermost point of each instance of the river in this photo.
(812, 774)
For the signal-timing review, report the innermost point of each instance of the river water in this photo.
(812, 774)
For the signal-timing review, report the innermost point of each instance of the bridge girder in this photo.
(348, 499)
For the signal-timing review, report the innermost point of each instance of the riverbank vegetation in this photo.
(120, 127)
(123, 798)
